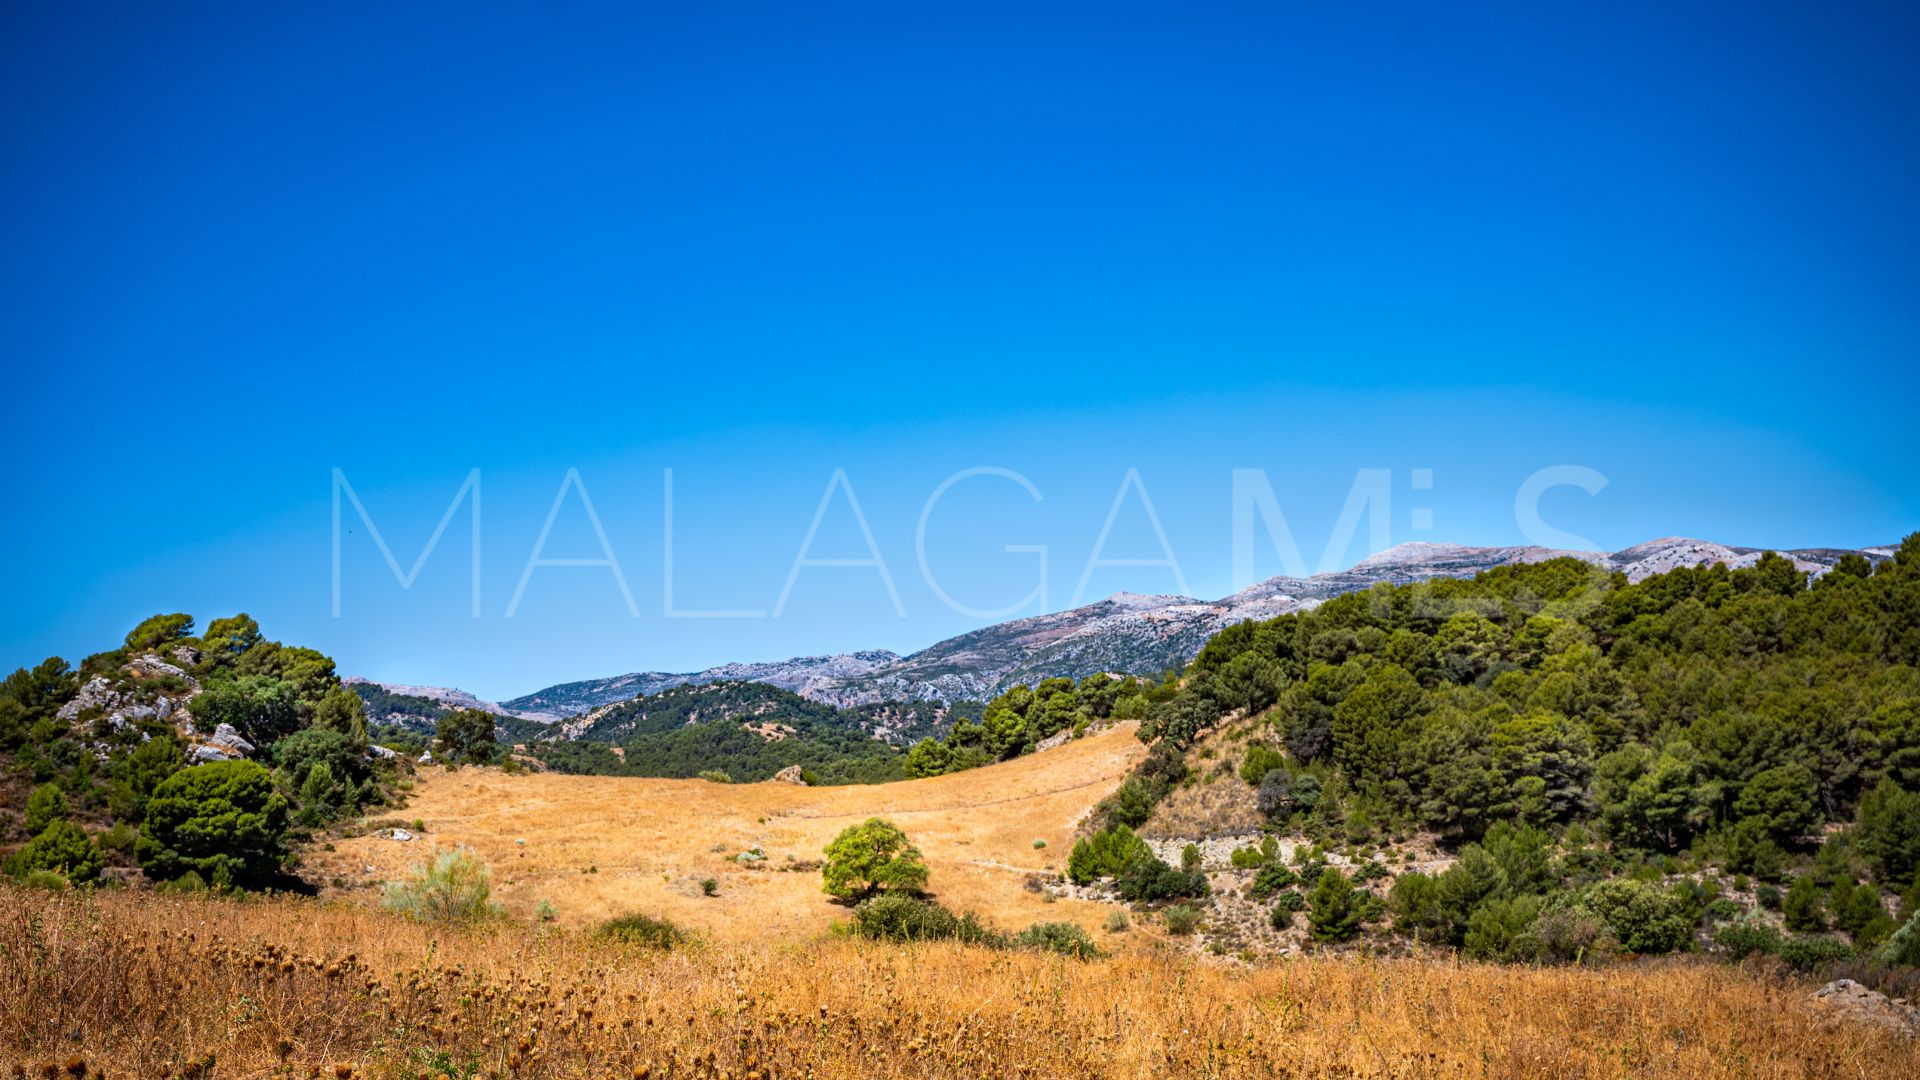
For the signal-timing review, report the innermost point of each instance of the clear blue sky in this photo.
(248, 244)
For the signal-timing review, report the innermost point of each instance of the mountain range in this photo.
(1126, 632)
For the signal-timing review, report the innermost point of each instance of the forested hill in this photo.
(1644, 760)
(747, 730)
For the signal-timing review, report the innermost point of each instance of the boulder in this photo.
(226, 738)
(204, 753)
(151, 667)
(1847, 1000)
(383, 752)
(789, 775)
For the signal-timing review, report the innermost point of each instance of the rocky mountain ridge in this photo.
(1126, 632)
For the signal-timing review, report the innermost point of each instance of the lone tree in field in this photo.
(873, 856)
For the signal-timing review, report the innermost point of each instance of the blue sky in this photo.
(756, 244)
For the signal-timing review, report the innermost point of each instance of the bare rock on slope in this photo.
(1847, 1000)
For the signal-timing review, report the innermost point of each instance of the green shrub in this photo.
(45, 806)
(1643, 918)
(716, 776)
(1502, 929)
(63, 848)
(1105, 854)
(1117, 922)
(188, 882)
(1807, 953)
(1855, 906)
(1150, 880)
(1335, 910)
(1903, 946)
(455, 887)
(1571, 935)
(1722, 910)
(638, 929)
(899, 917)
(1181, 919)
(1803, 905)
(1247, 858)
(223, 821)
(1132, 804)
(119, 837)
(1740, 940)
(1272, 877)
(49, 880)
(1281, 917)
(1064, 938)
(1260, 760)
(873, 856)
(1190, 858)
(709, 887)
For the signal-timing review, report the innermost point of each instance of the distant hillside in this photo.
(748, 730)
(574, 698)
(1131, 633)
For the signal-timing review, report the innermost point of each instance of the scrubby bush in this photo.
(1282, 792)
(1803, 906)
(62, 848)
(1643, 918)
(1903, 946)
(1060, 937)
(1105, 854)
(1739, 940)
(873, 856)
(1807, 953)
(1261, 759)
(638, 929)
(1335, 910)
(1117, 922)
(456, 886)
(45, 806)
(1271, 878)
(899, 917)
(1570, 935)
(1149, 880)
(1132, 804)
(1181, 919)
(1503, 929)
(1247, 858)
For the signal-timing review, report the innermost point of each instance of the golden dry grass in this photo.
(131, 984)
(602, 846)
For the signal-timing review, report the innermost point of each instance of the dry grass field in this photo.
(130, 984)
(601, 846)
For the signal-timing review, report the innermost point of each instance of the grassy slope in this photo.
(651, 841)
